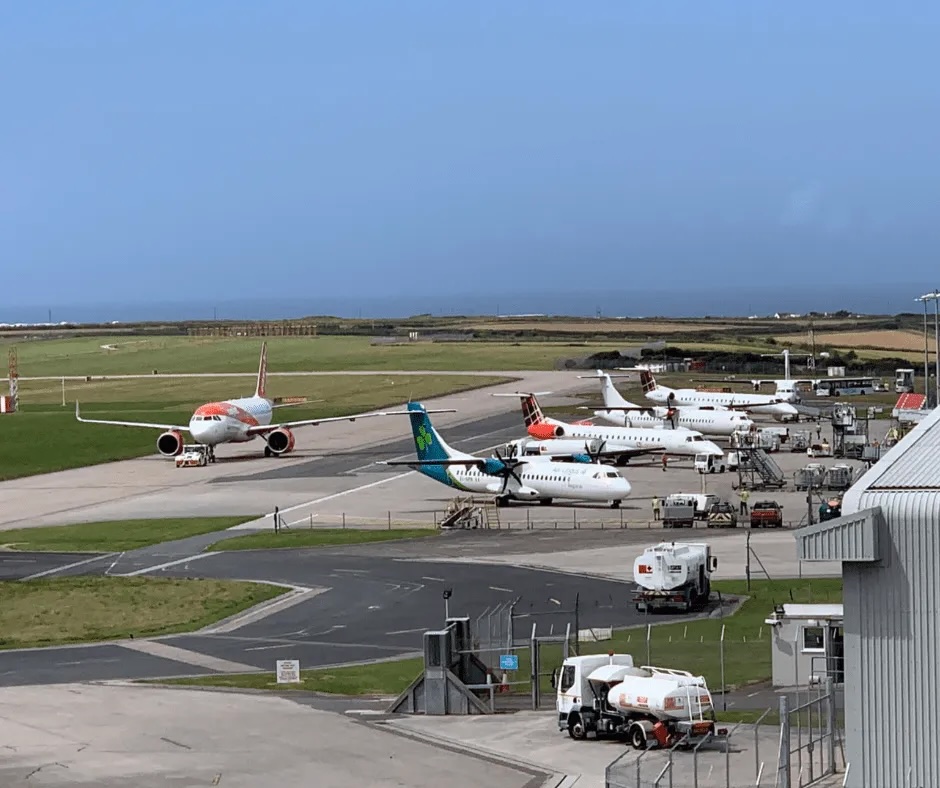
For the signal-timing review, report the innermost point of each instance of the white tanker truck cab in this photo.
(648, 706)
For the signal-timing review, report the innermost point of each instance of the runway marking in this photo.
(114, 563)
(353, 571)
(165, 651)
(74, 565)
(268, 648)
(167, 565)
(344, 492)
(407, 631)
(438, 579)
(497, 588)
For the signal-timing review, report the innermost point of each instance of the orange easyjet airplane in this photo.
(237, 421)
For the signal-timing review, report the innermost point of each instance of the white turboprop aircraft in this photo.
(708, 421)
(680, 442)
(752, 403)
(236, 421)
(510, 478)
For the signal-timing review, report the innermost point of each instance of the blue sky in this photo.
(152, 151)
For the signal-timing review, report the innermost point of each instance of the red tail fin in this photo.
(531, 412)
(647, 381)
(262, 371)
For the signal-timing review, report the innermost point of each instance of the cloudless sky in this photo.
(154, 150)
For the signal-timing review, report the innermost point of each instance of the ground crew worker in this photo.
(655, 507)
(665, 460)
(743, 495)
(818, 432)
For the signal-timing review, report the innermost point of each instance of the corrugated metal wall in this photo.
(891, 720)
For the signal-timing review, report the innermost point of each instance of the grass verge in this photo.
(83, 609)
(112, 536)
(379, 678)
(319, 537)
(696, 646)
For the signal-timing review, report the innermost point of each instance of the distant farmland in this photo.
(875, 340)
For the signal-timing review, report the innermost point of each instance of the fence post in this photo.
(831, 724)
(721, 655)
(277, 523)
(783, 758)
(577, 624)
(534, 664)
(389, 519)
(344, 521)
(649, 635)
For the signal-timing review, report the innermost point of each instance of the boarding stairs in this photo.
(465, 512)
(757, 470)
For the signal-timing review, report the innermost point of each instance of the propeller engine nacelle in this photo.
(494, 466)
(525, 492)
(281, 441)
(543, 431)
(170, 443)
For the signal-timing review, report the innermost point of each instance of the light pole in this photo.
(935, 297)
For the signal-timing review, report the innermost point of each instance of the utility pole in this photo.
(926, 359)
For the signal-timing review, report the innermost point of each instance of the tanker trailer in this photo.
(651, 707)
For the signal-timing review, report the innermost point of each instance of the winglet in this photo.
(262, 371)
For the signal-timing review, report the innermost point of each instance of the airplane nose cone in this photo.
(624, 487)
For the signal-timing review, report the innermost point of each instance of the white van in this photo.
(710, 463)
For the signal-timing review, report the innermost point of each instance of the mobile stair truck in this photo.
(673, 575)
(655, 708)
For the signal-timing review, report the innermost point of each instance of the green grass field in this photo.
(79, 609)
(111, 536)
(695, 646)
(45, 436)
(318, 537)
(143, 355)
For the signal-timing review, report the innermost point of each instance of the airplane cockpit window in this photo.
(612, 474)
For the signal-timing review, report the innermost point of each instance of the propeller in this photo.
(510, 464)
(595, 453)
(670, 416)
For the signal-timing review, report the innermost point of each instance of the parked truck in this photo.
(766, 514)
(650, 707)
(673, 575)
(839, 477)
(722, 515)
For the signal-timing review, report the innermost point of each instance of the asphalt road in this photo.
(376, 606)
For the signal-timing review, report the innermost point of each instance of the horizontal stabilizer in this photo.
(522, 394)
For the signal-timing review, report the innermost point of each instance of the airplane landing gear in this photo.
(267, 451)
(615, 504)
(502, 500)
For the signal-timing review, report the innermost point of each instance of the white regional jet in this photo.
(753, 403)
(511, 478)
(680, 442)
(236, 421)
(709, 420)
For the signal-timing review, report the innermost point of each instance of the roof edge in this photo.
(853, 537)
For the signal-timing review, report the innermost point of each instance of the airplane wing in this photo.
(265, 428)
(479, 462)
(151, 425)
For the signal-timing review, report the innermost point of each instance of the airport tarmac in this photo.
(153, 486)
(348, 604)
(91, 735)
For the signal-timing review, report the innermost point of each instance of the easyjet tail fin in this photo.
(262, 371)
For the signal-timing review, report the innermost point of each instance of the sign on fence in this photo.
(288, 671)
(509, 662)
(595, 635)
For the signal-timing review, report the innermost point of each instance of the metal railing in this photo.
(810, 737)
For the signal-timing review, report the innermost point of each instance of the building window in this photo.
(813, 639)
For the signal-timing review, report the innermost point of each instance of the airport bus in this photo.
(847, 387)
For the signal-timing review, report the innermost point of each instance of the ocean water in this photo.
(678, 302)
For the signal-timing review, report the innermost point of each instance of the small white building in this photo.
(807, 643)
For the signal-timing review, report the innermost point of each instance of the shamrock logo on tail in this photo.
(423, 438)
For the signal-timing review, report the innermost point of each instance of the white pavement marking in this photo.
(68, 566)
(407, 631)
(298, 594)
(498, 588)
(167, 565)
(166, 651)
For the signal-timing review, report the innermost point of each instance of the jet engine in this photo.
(281, 441)
(170, 444)
(543, 431)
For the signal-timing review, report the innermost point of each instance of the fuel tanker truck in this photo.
(649, 707)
